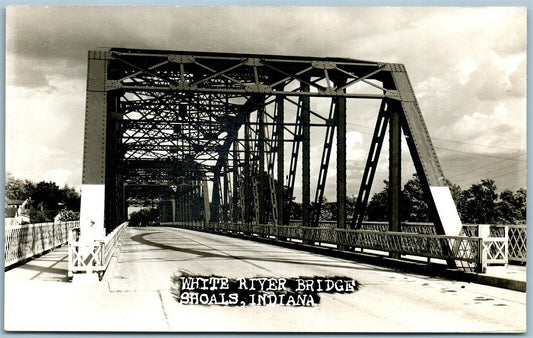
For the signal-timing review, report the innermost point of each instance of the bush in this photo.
(144, 217)
(37, 216)
(68, 215)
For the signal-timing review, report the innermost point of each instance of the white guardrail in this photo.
(503, 243)
(94, 257)
(469, 250)
(26, 241)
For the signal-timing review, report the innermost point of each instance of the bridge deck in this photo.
(135, 294)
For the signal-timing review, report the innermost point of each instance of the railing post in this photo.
(506, 245)
(482, 256)
(483, 230)
(70, 253)
(53, 239)
(428, 250)
(102, 255)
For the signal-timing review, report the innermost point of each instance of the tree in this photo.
(480, 203)
(144, 217)
(520, 202)
(46, 197)
(414, 205)
(377, 209)
(71, 198)
(18, 189)
(511, 207)
(47, 194)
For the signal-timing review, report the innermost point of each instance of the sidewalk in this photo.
(41, 287)
(512, 272)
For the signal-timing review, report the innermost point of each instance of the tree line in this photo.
(47, 198)
(479, 204)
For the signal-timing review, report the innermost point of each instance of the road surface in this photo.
(136, 293)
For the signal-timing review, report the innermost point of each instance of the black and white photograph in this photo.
(339, 169)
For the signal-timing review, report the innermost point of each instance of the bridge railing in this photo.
(92, 257)
(497, 248)
(468, 252)
(517, 243)
(26, 241)
(505, 243)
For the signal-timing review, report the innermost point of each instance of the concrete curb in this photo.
(401, 265)
(108, 273)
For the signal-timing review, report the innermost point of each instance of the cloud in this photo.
(518, 80)
(467, 66)
(432, 86)
(59, 175)
(32, 78)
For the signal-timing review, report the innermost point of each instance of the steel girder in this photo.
(176, 117)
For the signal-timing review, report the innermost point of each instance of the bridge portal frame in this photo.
(223, 90)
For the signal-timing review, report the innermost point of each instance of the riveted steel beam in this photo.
(280, 118)
(306, 160)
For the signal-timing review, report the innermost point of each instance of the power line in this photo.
(481, 175)
(359, 125)
(483, 167)
(474, 144)
(483, 155)
(507, 173)
(448, 140)
(489, 172)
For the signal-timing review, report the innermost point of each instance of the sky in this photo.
(467, 67)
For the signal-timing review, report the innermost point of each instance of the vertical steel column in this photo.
(395, 172)
(261, 153)
(247, 165)
(124, 201)
(177, 197)
(189, 205)
(181, 205)
(113, 177)
(225, 195)
(185, 205)
(93, 198)
(306, 160)
(216, 199)
(282, 219)
(341, 163)
(206, 200)
(228, 199)
(198, 201)
(235, 197)
(190, 219)
(194, 203)
(173, 211)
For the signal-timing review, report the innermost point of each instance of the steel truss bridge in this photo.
(212, 133)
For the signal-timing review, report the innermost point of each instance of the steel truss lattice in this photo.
(182, 119)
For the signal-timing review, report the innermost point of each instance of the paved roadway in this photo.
(135, 294)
